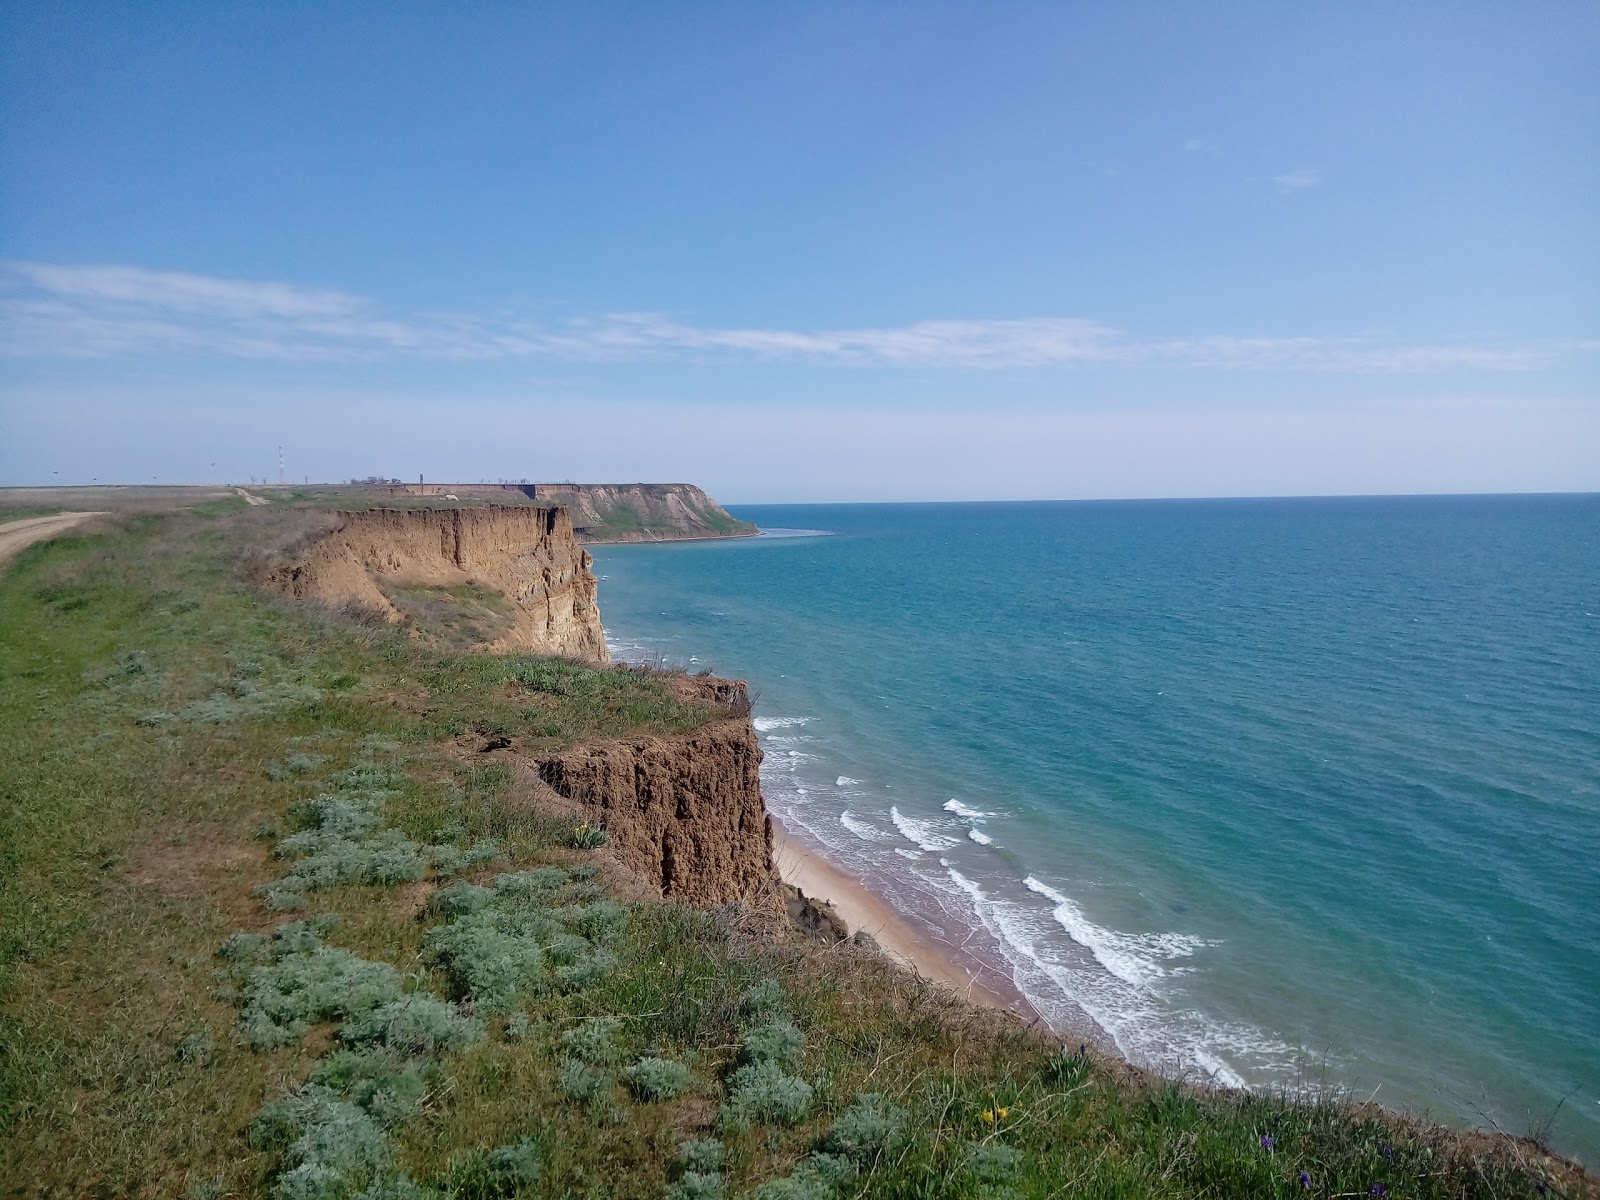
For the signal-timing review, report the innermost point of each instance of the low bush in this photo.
(655, 1079)
(763, 1093)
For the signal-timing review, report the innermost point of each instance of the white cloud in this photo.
(55, 311)
(1297, 181)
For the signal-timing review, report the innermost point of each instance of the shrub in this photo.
(867, 1128)
(330, 1146)
(702, 1154)
(993, 1162)
(195, 1049)
(594, 1041)
(416, 1024)
(763, 999)
(776, 1042)
(587, 971)
(584, 1083)
(388, 1085)
(698, 1185)
(488, 957)
(501, 1172)
(652, 1079)
(310, 982)
(762, 1093)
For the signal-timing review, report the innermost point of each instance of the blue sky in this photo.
(806, 252)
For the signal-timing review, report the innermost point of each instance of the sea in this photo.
(1283, 793)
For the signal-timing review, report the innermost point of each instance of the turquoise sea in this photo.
(1283, 792)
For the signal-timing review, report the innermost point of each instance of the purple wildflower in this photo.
(1378, 1190)
(1387, 1151)
(1268, 1141)
(1305, 1179)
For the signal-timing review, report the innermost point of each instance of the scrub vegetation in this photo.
(272, 925)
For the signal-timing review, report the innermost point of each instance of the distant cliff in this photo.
(492, 578)
(605, 512)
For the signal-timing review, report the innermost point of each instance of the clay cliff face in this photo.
(605, 512)
(684, 813)
(527, 557)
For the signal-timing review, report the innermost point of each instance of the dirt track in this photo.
(14, 535)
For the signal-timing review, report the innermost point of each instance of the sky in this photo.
(820, 252)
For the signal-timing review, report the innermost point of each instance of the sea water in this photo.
(1294, 793)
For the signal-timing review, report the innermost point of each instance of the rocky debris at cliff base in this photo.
(814, 918)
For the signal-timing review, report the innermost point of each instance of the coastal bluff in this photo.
(684, 813)
(601, 512)
(521, 567)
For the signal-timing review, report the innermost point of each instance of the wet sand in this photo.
(898, 937)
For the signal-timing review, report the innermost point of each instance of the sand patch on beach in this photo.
(898, 937)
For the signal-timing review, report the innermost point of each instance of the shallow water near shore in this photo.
(1275, 791)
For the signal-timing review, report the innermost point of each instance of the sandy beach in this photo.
(896, 935)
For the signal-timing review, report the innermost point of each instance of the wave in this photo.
(764, 724)
(845, 781)
(1134, 958)
(922, 834)
(982, 839)
(860, 828)
(953, 805)
(1121, 1001)
(795, 533)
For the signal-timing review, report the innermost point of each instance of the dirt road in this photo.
(14, 535)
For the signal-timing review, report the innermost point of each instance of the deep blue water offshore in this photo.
(1282, 791)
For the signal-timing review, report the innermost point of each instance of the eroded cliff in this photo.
(496, 578)
(684, 813)
(601, 512)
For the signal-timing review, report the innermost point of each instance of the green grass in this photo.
(23, 513)
(452, 1001)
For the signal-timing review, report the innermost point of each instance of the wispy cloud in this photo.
(1297, 181)
(56, 311)
(1201, 146)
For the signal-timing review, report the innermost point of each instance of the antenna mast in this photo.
(280, 466)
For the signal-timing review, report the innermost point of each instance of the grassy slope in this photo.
(161, 728)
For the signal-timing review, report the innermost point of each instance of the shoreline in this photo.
(895, 934)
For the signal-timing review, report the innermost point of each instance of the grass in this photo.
(271, 926)
(23, 512)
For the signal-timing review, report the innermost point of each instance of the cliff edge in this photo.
(601, 512)
(684, 813)
(495, 578)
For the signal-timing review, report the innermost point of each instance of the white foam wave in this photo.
(860, 828)
(1133, 957)
(981, 838)
(922, 834)
(766, 724)
(953, 805)
(845, 781)
(904, 853)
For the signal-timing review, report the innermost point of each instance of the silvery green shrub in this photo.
(416, 1024)
(654, 1079)
(594, 1041)
(582, 1082)
(868, 1127)
(763, 1093)
(777, 1042)
(388, 1085)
